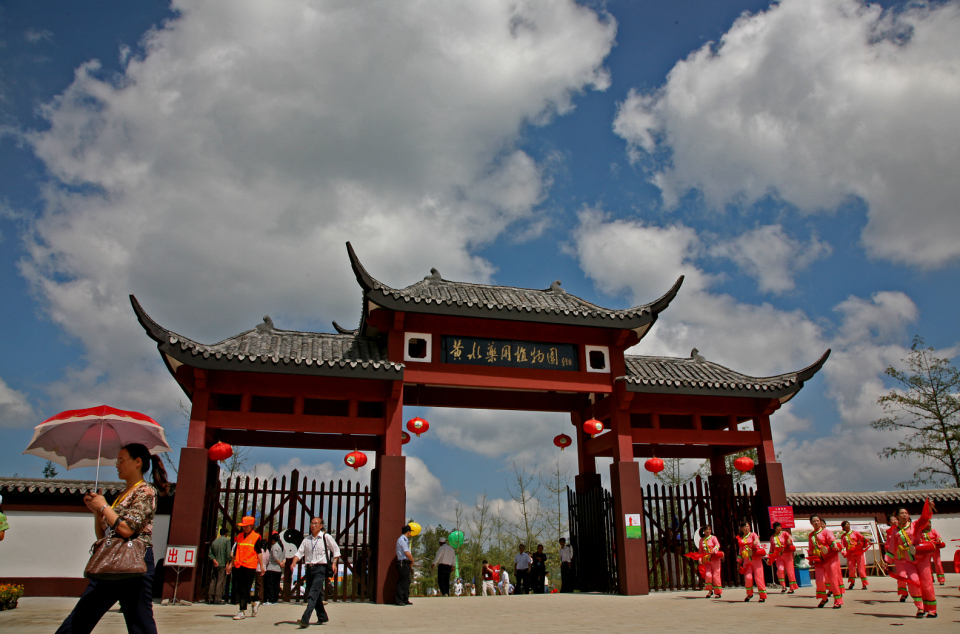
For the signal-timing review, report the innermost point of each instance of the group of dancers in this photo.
(911, 552)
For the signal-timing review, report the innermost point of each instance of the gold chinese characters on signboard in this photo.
(510, 354)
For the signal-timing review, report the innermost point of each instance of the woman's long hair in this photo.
(136, 450)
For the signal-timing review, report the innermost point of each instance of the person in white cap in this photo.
(444, 562)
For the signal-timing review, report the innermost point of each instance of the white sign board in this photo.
(181, 556)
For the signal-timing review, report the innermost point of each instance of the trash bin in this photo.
(803, 577)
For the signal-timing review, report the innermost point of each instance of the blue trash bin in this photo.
(803, 577)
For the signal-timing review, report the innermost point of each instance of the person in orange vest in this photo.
(246, 565)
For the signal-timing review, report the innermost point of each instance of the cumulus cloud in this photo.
(15, 409)
(817, 101)
(218, 176)
(770, 256)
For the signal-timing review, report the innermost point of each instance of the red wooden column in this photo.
(627, 498)
(771, 489)
(587, 478)
(390, 475)
(194, 476)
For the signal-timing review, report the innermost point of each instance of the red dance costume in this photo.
(931, 535)
(781, 558)
(914, 567)
(751, 564)
(892, 562)
(709, 547)
(825, 556)
(855, 547)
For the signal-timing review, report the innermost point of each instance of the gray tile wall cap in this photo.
(53, 486)
(269, 349)
(436, 295)
(696, 375)
(867, 498)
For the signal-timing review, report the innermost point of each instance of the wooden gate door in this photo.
(279, 506)
(591, 536)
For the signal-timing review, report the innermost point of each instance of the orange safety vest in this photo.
(246, 556)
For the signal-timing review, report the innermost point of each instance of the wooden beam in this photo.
(701, 452)
(693, 437)
(440, 374)
(299, 440)
(433, 396)
(294, 423)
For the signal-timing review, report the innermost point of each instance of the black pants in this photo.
(243, 579)
(567, 581)
(316, 578)
(403, 584)
(539, 579)
(271, 586)
(443, 578)
(135, 597)
(523, 581)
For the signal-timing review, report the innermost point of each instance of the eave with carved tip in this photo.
(441, 343)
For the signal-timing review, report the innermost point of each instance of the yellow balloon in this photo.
(414, 529)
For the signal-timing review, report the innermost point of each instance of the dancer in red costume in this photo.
(891, 559)
(913, 561)
(855, 547)
(931, 535)
(751, 561)
(781, 557)
(824, 554)
(712, 557)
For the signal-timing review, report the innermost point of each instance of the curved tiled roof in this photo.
(696, 375)
(269, 349)
(865, 498)
(53, 486)
(434, 294)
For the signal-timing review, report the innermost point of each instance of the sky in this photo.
(796, 161)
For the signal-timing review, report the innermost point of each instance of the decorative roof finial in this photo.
(695, 355)
(434, 276)
(556, 287)
(267, 324)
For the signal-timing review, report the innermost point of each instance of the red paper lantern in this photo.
(220, 451)
(593, 427)
(355, 459)
(404, 438)
(562, 441)
(743, 464)
(417, 426)
(653, 465)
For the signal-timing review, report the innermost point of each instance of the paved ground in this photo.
(864, 611)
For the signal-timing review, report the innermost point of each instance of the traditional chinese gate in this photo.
(591, 518)
(673, 517)
(278, 506)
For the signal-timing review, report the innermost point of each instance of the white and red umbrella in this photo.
(94, 436)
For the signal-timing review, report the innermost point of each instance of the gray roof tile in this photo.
(867, 498)
(54, 486)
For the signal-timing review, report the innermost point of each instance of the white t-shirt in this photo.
(522, 561)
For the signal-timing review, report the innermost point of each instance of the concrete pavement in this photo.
(864, 611)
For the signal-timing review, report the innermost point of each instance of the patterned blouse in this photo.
(137, 510)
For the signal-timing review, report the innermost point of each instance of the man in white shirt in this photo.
(567, 582)
(444, 561)
(319, 551)
(404, 563)
(504, 585)
(521, 569)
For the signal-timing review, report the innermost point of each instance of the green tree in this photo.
(924, 408)
(49, 470)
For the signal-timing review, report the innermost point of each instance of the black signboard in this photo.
(510, 354)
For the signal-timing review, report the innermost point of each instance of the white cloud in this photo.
(35, 36)
(219, 176)
(770, 256)
(15, 409)
(816, 101)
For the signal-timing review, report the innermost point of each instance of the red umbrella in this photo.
(94, 436)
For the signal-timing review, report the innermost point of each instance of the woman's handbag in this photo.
(113, 557)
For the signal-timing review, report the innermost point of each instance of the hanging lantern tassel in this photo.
(653, 465)
(593, 427)
(743, 464)
(355, 459)
(562, 441)
(220, 451)
(404, 438)
(417, 426)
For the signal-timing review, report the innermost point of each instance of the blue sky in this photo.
(796, 161)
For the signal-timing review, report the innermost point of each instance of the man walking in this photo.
(404, 563)
(320, 553)
(521, 570)
(567, 581)
(444, 562)
(219, 556)
(246, 565)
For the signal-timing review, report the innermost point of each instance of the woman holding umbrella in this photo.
(130, 514)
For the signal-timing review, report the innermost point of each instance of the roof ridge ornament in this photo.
(434, 276)
(695, 355)
(555, 287)
(266, 326)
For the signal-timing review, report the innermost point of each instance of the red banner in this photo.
(782, 514)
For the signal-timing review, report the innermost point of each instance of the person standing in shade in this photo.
(443, 562)
(521, 570)
(538, 570)
(246, 565)
(404, 564)
(319, 551)
(219, 557)
(567, 582)
(274, 566)
(710, 549)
